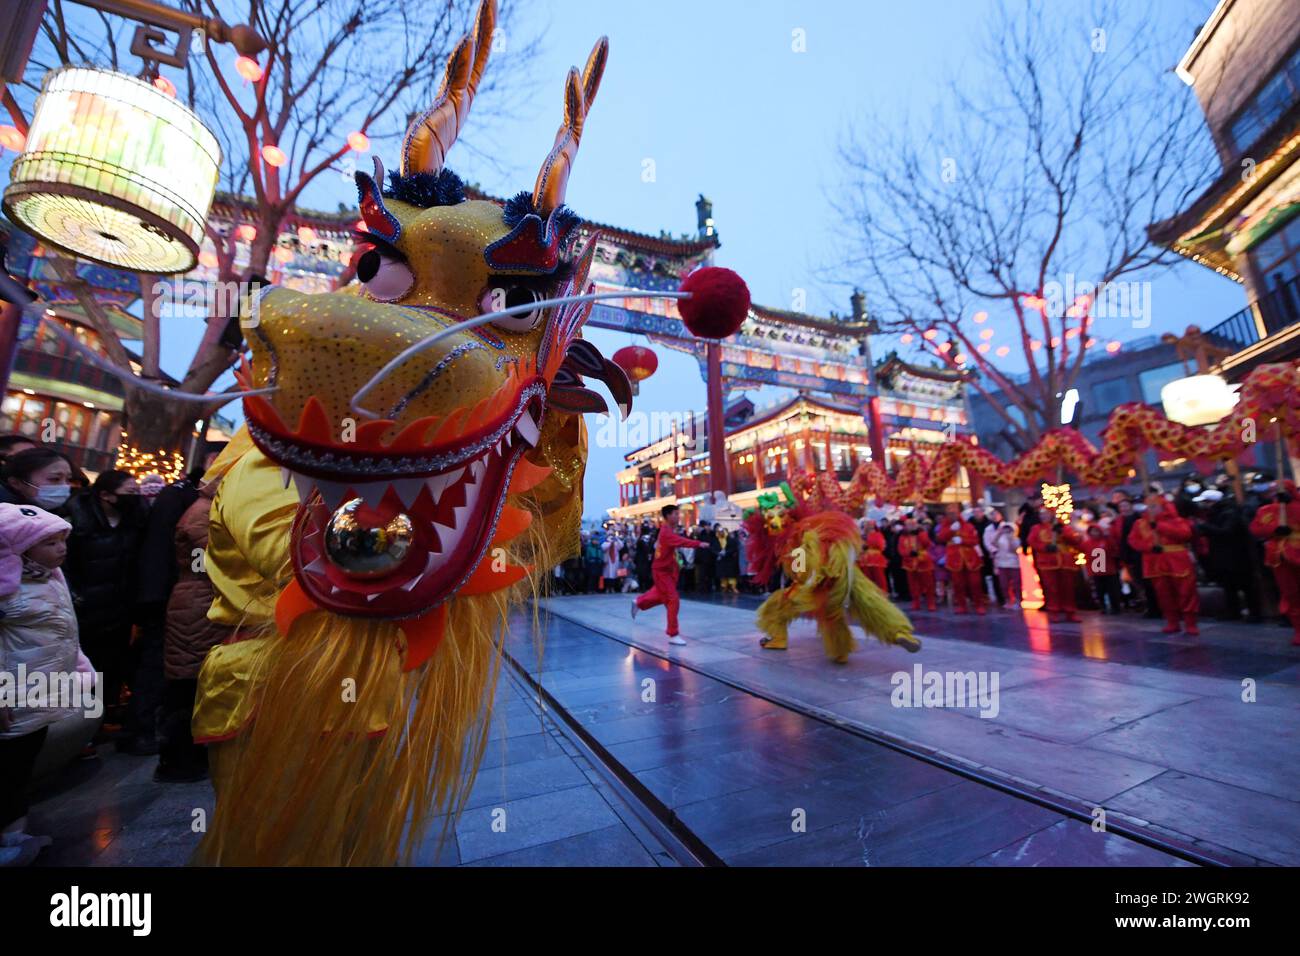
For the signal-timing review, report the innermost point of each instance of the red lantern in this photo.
(249, 69)
(638, 362)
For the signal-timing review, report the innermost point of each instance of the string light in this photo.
(169, 465)
(1059, 500)
(274, 156)
(249, 69)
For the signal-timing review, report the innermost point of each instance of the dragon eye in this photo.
(386, 278)
(507, 296)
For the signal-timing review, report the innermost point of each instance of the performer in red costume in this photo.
(914, 548)
(872, 561)
(1278, 525)
(962, 560)
(1162, 537)
(663, 570)
(1056, 549)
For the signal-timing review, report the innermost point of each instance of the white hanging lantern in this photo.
(1198, 399)
(115, 171)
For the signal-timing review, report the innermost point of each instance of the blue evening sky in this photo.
(712, 92)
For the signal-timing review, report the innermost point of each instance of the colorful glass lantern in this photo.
(115, 171)
(638, 362)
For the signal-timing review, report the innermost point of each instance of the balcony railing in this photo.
(1276, 311)
(65, 369)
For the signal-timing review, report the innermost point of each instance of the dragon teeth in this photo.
(286, 476)
(440, 483)
(332, 493)
(527, 428)
(305, 486)
(372, 493)
(408, 490)
(445, 536)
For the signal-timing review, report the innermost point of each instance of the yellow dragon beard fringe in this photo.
(316, 780)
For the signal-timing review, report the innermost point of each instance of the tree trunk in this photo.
(154, 423)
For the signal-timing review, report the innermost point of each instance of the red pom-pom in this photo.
(718, 304)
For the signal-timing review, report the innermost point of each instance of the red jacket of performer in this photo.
(1104, 545)
(1162, 537)
(1278, 524)
(962, 554)
(1056, 546)
(873, 556)
(914, 549)
(666, 549)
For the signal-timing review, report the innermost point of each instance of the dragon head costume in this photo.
(414, 449)
(816, 543)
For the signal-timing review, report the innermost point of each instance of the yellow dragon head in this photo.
(431, 421)
(421, 442)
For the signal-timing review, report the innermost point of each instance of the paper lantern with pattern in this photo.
(115, 171)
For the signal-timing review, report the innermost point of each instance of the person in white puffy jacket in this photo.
(40, 660)
(1001, 543)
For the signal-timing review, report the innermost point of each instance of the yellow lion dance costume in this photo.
(380, 514)
(817, 551)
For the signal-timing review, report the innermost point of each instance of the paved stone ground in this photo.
(108, 811)
(1169, 742)
(764, 785)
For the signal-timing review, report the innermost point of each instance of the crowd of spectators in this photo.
(129, 573)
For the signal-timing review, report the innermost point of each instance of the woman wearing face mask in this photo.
(36, 476)
(103, 558)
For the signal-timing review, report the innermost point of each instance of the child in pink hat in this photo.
(38, 642)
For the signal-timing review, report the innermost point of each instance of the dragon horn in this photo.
(431, 134)
(579, 94)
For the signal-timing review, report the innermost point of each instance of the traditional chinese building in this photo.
(1244, 68)
(918, 406)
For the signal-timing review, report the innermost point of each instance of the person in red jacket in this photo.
(914, 548)
(1101, 554)
(1278, 525)
(963, 560)
(872, 561)
(1056, 549)
(1162, 537)
(663, 571)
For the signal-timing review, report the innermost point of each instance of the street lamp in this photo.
(1069, 405)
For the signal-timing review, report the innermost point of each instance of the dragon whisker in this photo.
(126, 375)
(432, 340)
